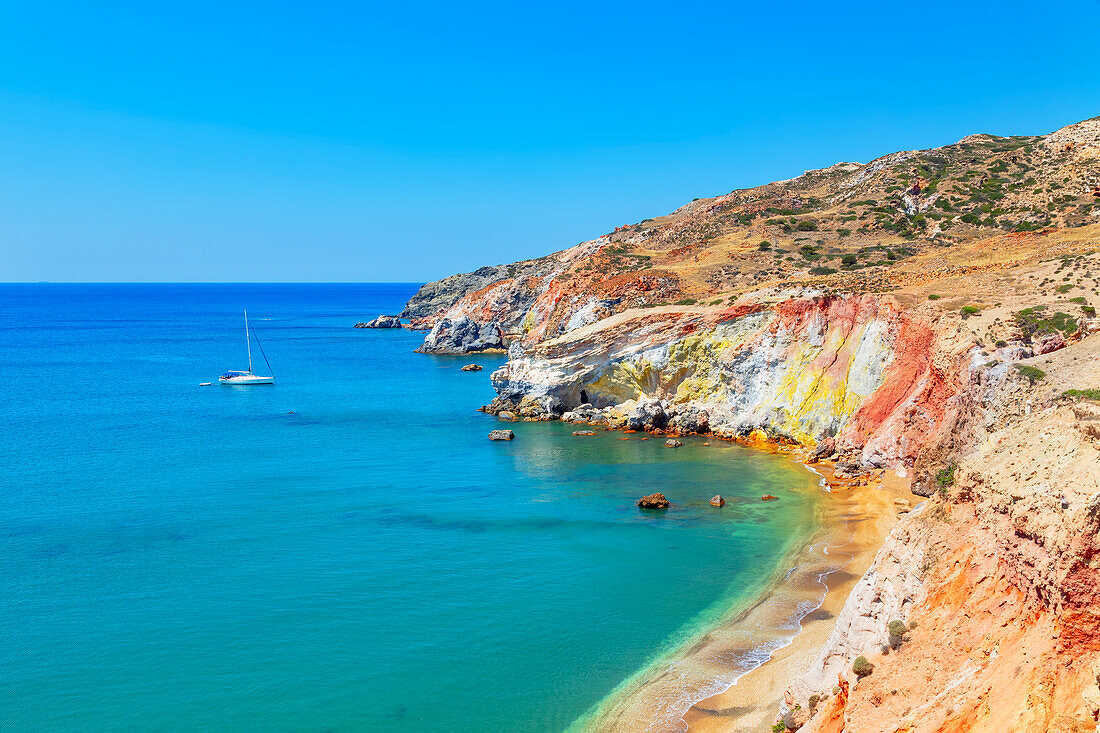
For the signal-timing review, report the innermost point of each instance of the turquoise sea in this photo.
(344, 550)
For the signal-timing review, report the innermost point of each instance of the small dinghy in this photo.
(241, 378)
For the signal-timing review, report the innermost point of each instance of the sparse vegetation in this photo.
(862, 666)
(945, 477)
(897, 630)
(1034, 321)
(1090, 393)
(1030, 373)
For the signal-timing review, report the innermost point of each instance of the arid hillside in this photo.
(983, 203)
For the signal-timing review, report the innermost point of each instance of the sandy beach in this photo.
(728, 672)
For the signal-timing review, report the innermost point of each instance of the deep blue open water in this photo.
(343, 551)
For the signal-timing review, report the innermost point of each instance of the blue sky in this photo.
(273, 141)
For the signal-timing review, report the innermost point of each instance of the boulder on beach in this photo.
(501, 435)
(472, 368)
(381, 322)
(462, 335)
(768, 497)
(672, 443)
(692, 420)
(584, 432)
(648, 414)
(654, 501)
(824, 449)
(717, 500)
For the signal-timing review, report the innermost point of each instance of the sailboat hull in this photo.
(246, 379)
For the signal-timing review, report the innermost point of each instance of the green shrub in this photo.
(1030, 373)
(685, 301)
(934, 297)
(969, 310)
(1079, 299)
(849, 260)
(862, 666)
(1088, 310)
(1062, 289)
(806, 225)
(897, 628)
(1001, 344)
(1091, 393)
(1032, 321)
(813, 701)
(946, 476)
(764, 246)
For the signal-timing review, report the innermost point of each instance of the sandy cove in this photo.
(853, 521)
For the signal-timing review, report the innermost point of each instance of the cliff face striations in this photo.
(853, 369)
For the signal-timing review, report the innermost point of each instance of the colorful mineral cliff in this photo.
(932, 314)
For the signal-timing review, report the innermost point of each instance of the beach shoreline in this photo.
(751, 656)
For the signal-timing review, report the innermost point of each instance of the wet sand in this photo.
(733, 678)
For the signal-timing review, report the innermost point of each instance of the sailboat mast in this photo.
(247, 341)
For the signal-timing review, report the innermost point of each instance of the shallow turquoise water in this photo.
(342, 551)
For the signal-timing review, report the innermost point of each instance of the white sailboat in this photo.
(233, 378)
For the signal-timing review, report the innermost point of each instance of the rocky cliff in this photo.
(997, 582)
(853, 370)
(931, 312)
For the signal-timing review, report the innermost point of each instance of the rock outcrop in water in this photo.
(462, 336)
(381, 322)
(654, 501)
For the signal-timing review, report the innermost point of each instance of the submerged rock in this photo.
(717, 500)
(584, 432)
(768, 497)
(654, 501)
(381, 322)
(462, 335)
(472, 368)
(501, 435)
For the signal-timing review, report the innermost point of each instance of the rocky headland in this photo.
(925, 322)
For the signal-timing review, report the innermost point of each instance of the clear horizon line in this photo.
(213, 282)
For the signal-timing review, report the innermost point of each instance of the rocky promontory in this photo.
(878, 319)
(462, 335)
(381, 322)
